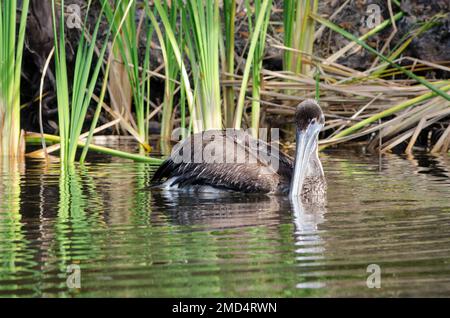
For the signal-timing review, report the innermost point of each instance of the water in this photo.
(128, 240)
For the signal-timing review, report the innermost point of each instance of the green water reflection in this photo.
(129, 240)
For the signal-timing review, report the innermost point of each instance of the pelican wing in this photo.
(230, 160)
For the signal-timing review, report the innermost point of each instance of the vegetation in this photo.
(298, 34)
(215, 77)
(122, 18)
(11, 52)
(72, 109)
(263, 13)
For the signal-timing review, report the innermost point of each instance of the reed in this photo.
(72, 109)
(11, 52)
(205, 88)
(201, 27)
(171, 71)
(229, 13)
(258, 56)
(33, 138)
(298, 33)
(201, 22)
(194, 111)
(262, 17)
(128, 43)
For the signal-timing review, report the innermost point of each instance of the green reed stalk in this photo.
(251, 53)
(72, 109)
(145, 80)
(196, 126)
(96, 114)
(258, 56)
(184, 134)
(298, 33)
(317, 79)
(182, 103)
(103, 90)
(100, 149)
(229, 11)
(128, 45)
(171, 72)
(11, 51)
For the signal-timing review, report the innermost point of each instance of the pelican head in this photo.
(309, 121)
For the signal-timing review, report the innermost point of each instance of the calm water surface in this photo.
(129, 240)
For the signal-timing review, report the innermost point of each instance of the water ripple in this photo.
(131, 241)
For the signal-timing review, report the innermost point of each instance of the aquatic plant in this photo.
(34, 138)
(201, 22)
(207, 85)
(257, 60)
(260, 25)
(127, 44)
(11, 52)
(171, 38)
(298, 33)
(201, 35)
(171, 72)
(72, 109)
(229, 13)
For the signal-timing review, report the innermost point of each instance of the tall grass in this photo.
(201, 22)
(11, 51)
(128, 46)
(201, 35)
(229, 13)
(198, 49)
(258, 56)
(199, 39)
(170, 36)
(298, 33)
(385, 59)
(261, 22)
(72, 109)
(171, 72)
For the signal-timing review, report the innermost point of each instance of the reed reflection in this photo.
(12, 237)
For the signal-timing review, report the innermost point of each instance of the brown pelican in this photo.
(263, 170)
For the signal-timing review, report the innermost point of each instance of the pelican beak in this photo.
(307, 141)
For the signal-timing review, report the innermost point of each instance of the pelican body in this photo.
(236, 161)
